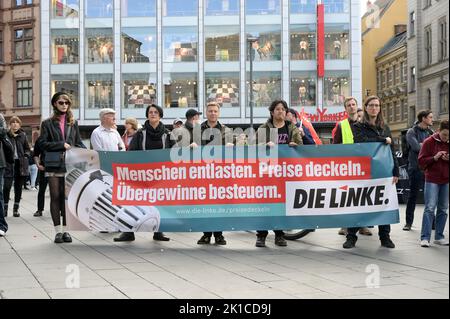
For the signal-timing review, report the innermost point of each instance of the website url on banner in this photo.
(223, 210)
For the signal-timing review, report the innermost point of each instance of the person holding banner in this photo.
(209, 137)
(373, 129)
(59, 133)
(343, 134)
(154, 135)
(292, 117)
(286, 133)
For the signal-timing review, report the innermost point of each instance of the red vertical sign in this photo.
(320, 41)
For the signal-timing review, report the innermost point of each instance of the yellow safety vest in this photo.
(347, 134)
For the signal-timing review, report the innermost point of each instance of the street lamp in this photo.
(250, 40)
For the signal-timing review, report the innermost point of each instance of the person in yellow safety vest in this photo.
(343, 134)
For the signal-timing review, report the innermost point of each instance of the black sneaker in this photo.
(260, 241)
(66, 238)
(160, 237)
(220, 240)
(387, 242)
(280, 241)
(407, 227)
(38, 213)
(59, 238)
(16, 213)
(205, 240)
(349, 243)
(125, 237)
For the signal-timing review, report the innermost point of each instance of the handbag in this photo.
(56, 160)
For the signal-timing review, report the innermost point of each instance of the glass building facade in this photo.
(180, 54)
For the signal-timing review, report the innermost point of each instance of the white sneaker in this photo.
(424, 243)
(2, 233)
(33, 189)
(442, 242)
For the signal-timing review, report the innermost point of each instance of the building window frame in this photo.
(23, 40)
(412, 81)
(427, 4)
(389, 77)
(428, 46)
(429, 99)
(1, 46)
(442, 43)
(23, 90)
(412, 24)
(443, 98)
(23, 3)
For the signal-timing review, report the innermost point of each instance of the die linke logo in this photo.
(342, 197)
(308, 198)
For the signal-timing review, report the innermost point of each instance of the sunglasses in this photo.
(63, 103)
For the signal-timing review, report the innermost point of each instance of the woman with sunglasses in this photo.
(59, 133)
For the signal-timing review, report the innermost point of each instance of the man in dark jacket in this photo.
(415, 137)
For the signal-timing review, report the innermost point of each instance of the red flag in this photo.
(305, 122)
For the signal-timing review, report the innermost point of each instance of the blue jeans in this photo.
(33, 170)
(436, 196)
(3, 224)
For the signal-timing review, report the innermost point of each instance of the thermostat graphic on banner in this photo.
(90, 200)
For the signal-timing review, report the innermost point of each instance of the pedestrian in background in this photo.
(42, 179)
(433, 159)
(6, 155)
(105, 137)
(131, 127)
(18, 171)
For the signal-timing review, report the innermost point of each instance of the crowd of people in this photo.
(428, 158)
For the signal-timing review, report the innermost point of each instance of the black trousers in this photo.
(18, 184)
(43, 182)
(216, 233)
(416, 181)
(383, 232)
(264, 233)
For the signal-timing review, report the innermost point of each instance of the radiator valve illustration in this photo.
(89, 197)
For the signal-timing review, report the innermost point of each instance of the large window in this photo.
(180, 90)
(303, 42)
(139, 90)
(303, 88)
(389, 77)
(100, 48)
(336, 6)
(65, 48)
(65, 9)
(24, 93)
(222, 7)
(336, 87)
(177, 8)
(428, 105)
(67, 83)
(138, 45)
(396, 74)
(428, 46)
(180, 44)
(100, 91)
(303, 6)
(23, 44)
(266, 87)
(404, 70)
(261, 7)
(398, 111)
(442, 39)
(222, 43)
(404, 110)
(222, 88)
(138, 8)
(99, 8)
(268, 46)
(336, 41)
(443, 98)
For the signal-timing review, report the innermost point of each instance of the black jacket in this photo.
(224, 131)
(366, 133)
(51, 139)
(138, 139)
(20, 144)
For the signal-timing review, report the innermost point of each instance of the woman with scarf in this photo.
(153, 136)
(59, 133)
